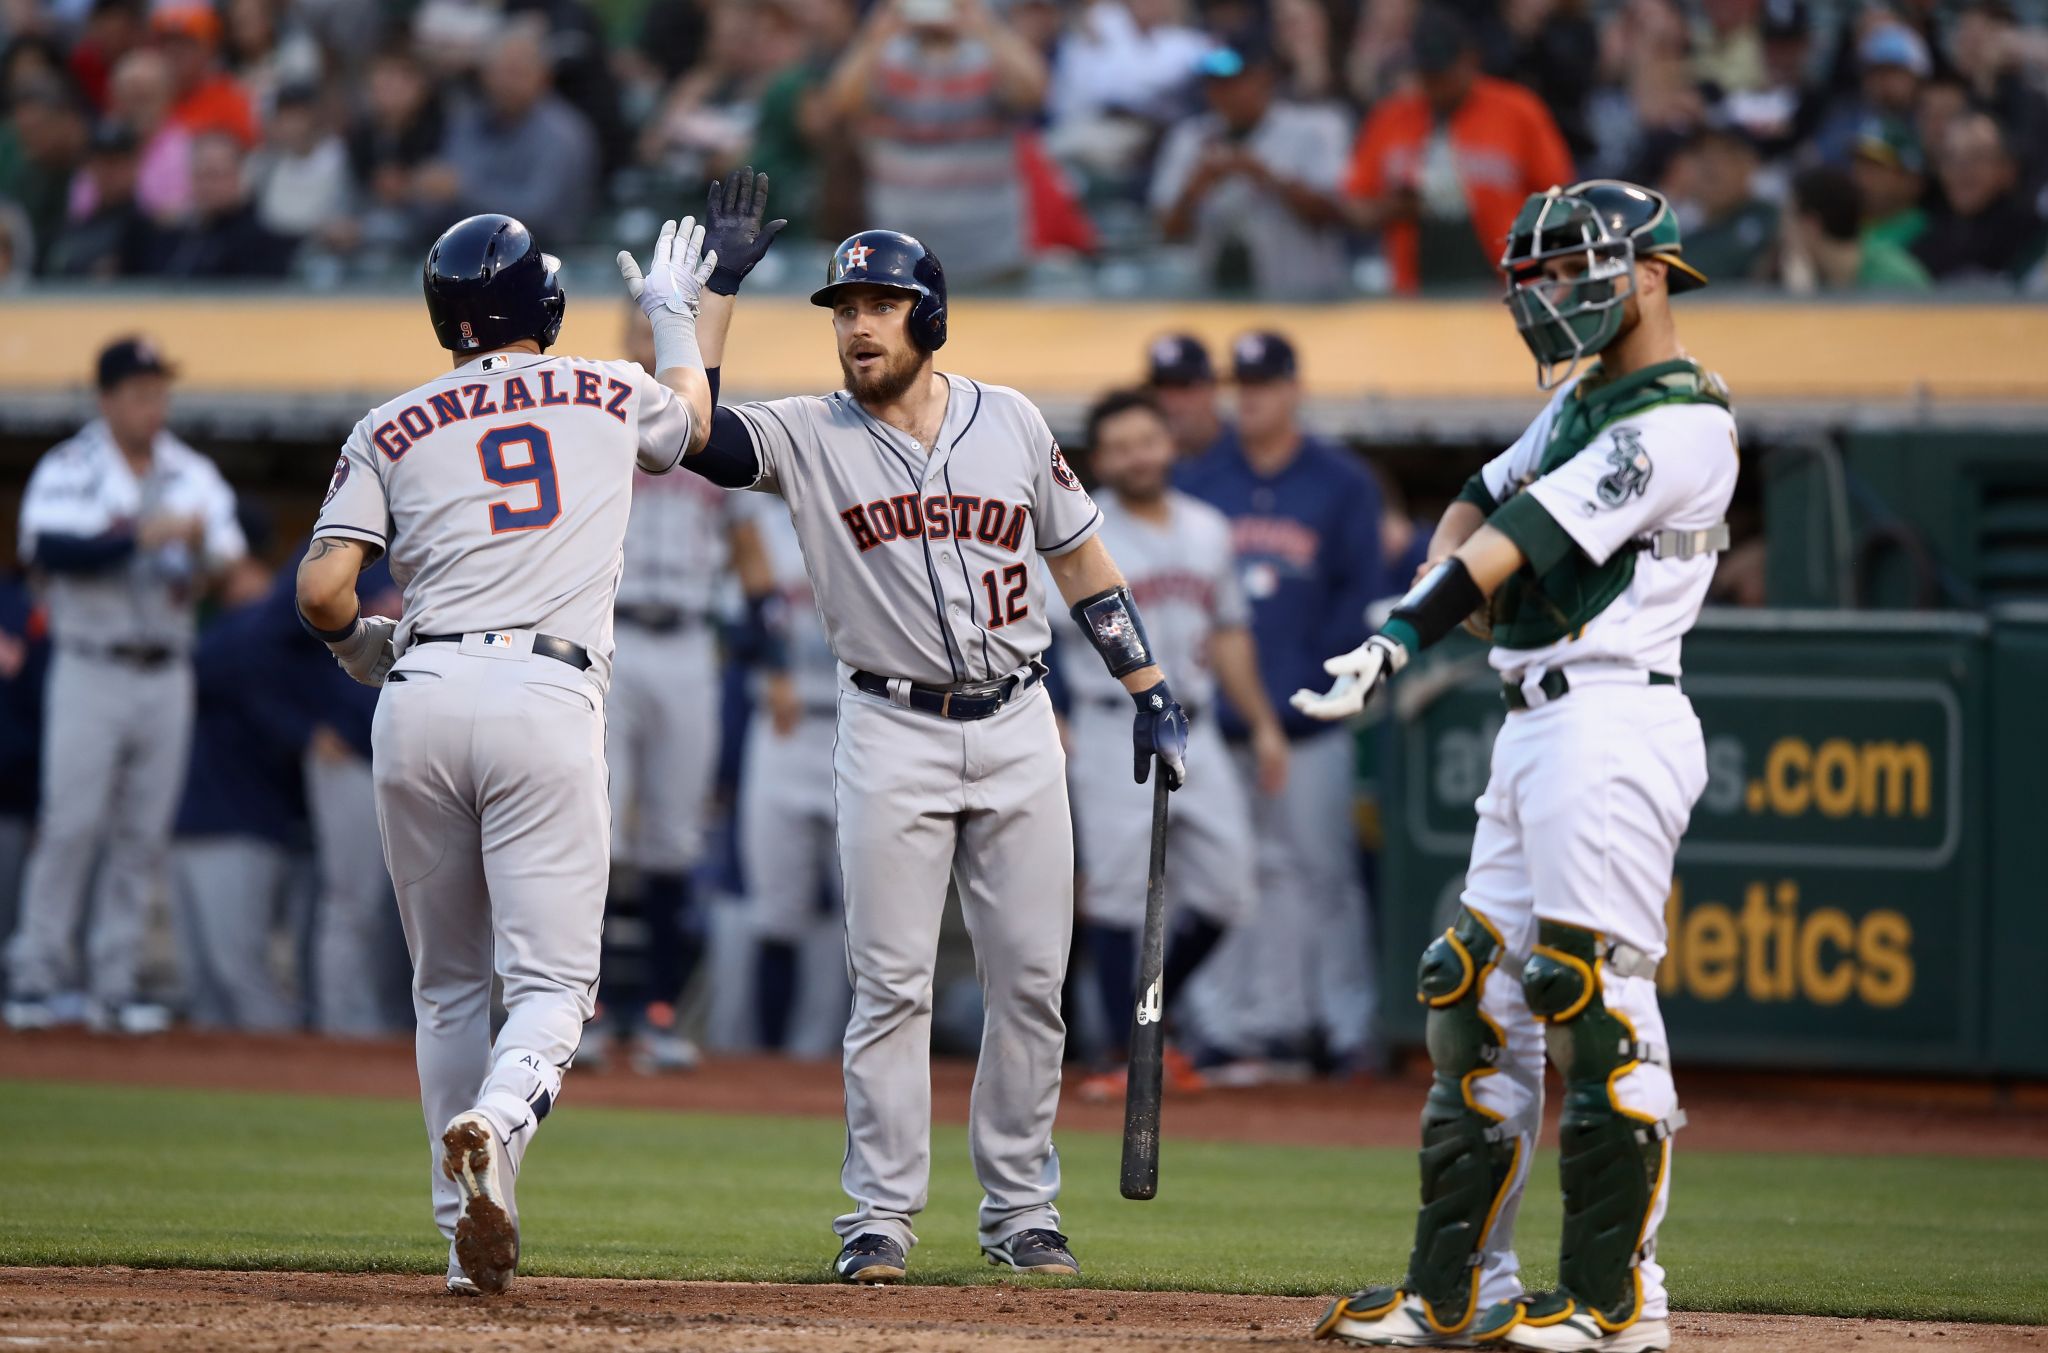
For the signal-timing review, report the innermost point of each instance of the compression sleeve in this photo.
(61, 553)
(728, 459)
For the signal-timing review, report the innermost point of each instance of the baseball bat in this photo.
(1148, 1030)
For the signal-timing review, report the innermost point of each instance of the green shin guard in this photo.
(1610, 1161)
(1468, 1154)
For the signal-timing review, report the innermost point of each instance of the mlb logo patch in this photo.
(496, 640)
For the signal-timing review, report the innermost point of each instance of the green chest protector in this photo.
(1534, 612)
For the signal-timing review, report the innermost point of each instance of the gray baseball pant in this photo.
(355, 897)
(920, 801)
(490, 785)
(230, 891)
(115, 741)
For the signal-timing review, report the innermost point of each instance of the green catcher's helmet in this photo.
(1607, 223)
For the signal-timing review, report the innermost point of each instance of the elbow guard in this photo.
(1110, 620)
(1440, 602)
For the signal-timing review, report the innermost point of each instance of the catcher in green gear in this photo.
(1584, 552)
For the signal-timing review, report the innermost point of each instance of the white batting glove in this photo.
(367, 654)
(1360, 674)
(675, 276)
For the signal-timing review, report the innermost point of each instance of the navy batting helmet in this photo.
(889, 258)
(489, 285)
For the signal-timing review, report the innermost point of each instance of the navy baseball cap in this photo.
(1262, 355)
(125, 357)
(1178, 359)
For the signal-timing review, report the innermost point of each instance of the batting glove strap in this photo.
(331, 637)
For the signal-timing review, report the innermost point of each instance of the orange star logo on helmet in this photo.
(857, 257)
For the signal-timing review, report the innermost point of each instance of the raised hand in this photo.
(676, 274)
(1360, 674)
(733, 228)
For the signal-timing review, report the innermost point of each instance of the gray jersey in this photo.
(1183, 576)
(924, 559)
(676, 543)
(502, 491)
(84, 487)
(811, 665)
(924, 562)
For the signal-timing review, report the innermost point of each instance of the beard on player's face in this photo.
(884, 381)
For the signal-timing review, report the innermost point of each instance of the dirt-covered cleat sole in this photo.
(1037, 1253)
(870, 1258)
(486, 1237)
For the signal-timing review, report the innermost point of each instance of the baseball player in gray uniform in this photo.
(922, 502)
(1176, 554)
(125, 524)
(786, 818)
(501, 491)
(661, 732)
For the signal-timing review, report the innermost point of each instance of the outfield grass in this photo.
(159, 1178)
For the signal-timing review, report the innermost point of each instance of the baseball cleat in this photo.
(1038, 1252)
(26, 1013)
(459, 1284)
(1385, 1317)
(487, 1237)
(1552, 1322)
(135, 1019)
(658, 1051)
(870, 1258)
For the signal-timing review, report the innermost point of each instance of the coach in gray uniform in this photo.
(922, 502)
(126, 524)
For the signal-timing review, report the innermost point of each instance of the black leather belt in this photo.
(658, 619)
(966, 703)
(547, 645)
(146, 656)
(1555, 685)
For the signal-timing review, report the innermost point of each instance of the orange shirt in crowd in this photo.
(1507, 147)
(218, 104)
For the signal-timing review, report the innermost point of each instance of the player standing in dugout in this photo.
(923, 502)
(1587, 548)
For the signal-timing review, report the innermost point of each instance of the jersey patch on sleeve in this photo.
(340, 478)
(1062, 473)
(1631, 473)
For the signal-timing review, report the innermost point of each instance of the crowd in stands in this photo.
(1288, 149)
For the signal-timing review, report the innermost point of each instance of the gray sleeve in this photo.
(1233, 609)
(779, 427)
(1066, 516)
(355, 507)
(665, 423)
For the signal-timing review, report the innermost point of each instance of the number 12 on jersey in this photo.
(533, 462)
(1002, 609)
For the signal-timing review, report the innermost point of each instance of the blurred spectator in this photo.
(1732, 229)
(708, 118)
(1728, 47)
(1301, 47)
(17, 247)
(141, 95)
(1893, 60)
(1825, 248)
(1891, 175)
(115, 238)
(1553, 47)
(113, 29)
(671, 37)
(580, 67)
(223, 238)
(42, 148)
(797, 141)
(28, 58)
(1984, 230)
(521, 150)
(1378, 59)
(242, 812)
(1441, 172)
(1179, 375)
(2001, 64)
(1785, 108)
(299, 177)
(1125, 71)
(267, 53)
(399, 131)
(1252, 183)
(939, 90)
(1943, 102)
(207, 98)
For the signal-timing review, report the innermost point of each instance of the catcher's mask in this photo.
(1603, 225)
